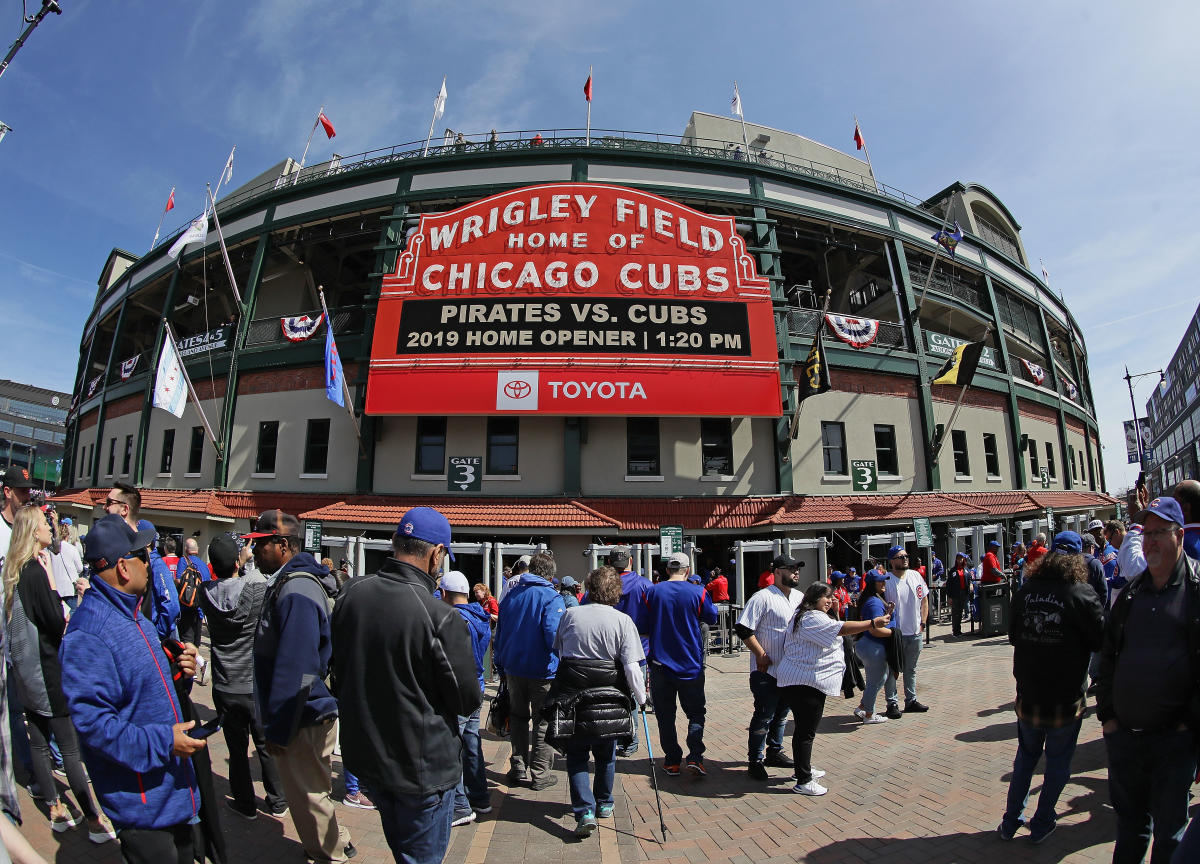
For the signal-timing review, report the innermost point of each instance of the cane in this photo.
(653, 779)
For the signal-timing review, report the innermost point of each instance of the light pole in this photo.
(33, 21)
(4, 129)
(1137, 431)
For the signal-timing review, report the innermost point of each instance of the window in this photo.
(268, 442)
(168, 451)
(316, 446)
(962, 462)
(1034, 466)
(112, 456)
(431, 445)
(716, 446)
(1082, 465)
(885, 450)
(641, 447)
(1050, 469)
(196, 450)
(991, 455)
(1071, 459)
(125, 462)
(833, 447)
(502, 437)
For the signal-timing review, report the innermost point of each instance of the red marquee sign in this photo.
(575, 299)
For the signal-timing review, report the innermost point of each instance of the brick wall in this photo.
(283, 380)
(1037, 411)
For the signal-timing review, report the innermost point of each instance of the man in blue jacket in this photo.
(292, 647)
(633, 603)
(161, 603)
(529, 616)
(675, 610)
(117, 681)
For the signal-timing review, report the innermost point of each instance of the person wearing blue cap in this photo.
(1148, 690)
(910, 596)
(992, 573)
(161, 604)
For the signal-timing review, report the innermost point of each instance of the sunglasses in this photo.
(113, 502)
(142, 555)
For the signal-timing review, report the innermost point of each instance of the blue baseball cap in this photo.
(876, 576)
(894, 551)
(111, 539)
(425, 523)
(1068, 542)
(1166, 508)
(994, 544)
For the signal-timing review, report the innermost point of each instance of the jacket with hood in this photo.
(291, 650)
(529, 616)
(35, 631)
(232, 607)
(117, 681)
(404, 674)
(479, 622)
(161, 602)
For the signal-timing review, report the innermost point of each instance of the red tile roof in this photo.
(185, 501)
(524, 513)
(824, 509)
(247, 505)
(82, 497)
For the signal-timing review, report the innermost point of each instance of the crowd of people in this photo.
(389, 670)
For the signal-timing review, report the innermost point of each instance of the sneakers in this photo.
(915, 707)
(279, 810)
(628, 750)
(604, 811)
(1037, 835)
(516, 775)
(359, 800)
(817, 773)
(60, 770)
(585, 824)
(812, 787)
(893, 711)
(348, 852)
(860, 714)
(671, 770)
(249, 814)
(757, 771)
(874, 718)
(545, 783)
(696, 767)
(105, 833)
(201, 670)
(463, 817)
(779, 759)
(1009, 833)
(481, 809)
(64, 823)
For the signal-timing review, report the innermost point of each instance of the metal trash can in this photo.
(993, 609)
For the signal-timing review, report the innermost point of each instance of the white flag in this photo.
(439, 104)
(170, 391)
(737, 100)
(227, 174)
(197, 232)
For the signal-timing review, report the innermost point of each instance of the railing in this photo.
(804, 324)
(269, 331)
(998, 237)
(528, 139)
(947, 284)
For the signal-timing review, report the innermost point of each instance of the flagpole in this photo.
(589, 117)
(346, 395)
(154, 242)
(795, 424)
(191, 390)
(954, 414)
(304, 155)
(225, 169)
(433, 120)
(866, 151)
(742, 117)
(936, 254)
(224, 251)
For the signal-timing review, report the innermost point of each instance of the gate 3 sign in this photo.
(575, 299)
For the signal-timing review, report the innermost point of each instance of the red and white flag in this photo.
(170, 201)
(859, 143)
(326, 125)
(587, 88)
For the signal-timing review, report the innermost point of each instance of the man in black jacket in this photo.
(1057, 621)
(404, 673)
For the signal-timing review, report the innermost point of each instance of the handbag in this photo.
(498, 714)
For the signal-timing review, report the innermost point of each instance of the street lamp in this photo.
(4, 129)
(33, 21)
(1137, 431)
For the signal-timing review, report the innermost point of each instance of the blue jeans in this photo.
(666, 687)
(417, 827)
(1149, 775)
(604, 751)
(352, 784)
(769, 720)
(912, 653)
(1059, 746)
(472, 790)
(874, 657)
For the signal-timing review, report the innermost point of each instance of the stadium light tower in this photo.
(33, 21)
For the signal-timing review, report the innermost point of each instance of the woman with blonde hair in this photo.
(35, 628)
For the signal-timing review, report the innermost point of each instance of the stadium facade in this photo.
(573, 343)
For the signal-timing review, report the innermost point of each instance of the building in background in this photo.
(1175, 416)
(574, 345)
(33, 430)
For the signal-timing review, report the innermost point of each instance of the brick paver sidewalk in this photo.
(927, 788)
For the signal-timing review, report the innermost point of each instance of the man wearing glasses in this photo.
(292, 648)
(117, 681)
(161, 603)
(1148, 691)
(908, 591)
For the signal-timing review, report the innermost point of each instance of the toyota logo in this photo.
(517, 389)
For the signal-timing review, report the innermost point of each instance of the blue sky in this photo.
(1079, 116)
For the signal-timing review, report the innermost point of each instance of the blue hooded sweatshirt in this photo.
(479, 622)
(117, 681)
(529, 616)
(292, 648)
(166, 599)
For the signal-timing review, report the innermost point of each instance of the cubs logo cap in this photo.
(110, 540)
(1166, 508)
(427, 524)
(1068, 542)
(894, 551)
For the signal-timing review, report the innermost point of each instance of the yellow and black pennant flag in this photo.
(813, 375)
(960, 368)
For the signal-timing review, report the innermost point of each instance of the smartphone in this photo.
(1141, 481)
(205, 729)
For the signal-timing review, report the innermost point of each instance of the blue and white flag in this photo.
(334, 377)
(948, 240)
(170, 390)
(197, 232)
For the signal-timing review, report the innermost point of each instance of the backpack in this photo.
(189, 583)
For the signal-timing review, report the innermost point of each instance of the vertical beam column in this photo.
(1020, 480)
(1053, 371)
(912, 326)
(104, 386)
(148, 395)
